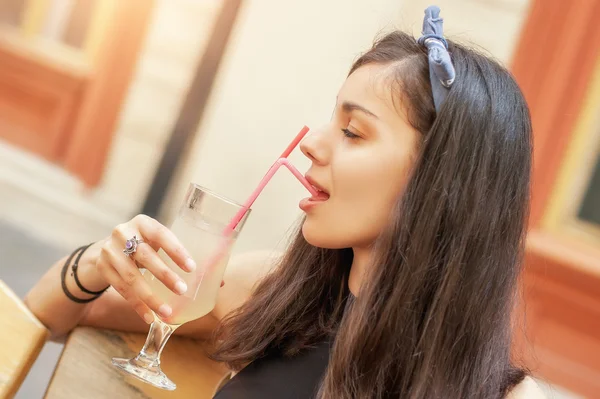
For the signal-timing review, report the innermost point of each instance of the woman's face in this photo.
(362, 159)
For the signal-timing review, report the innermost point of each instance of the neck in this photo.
(357, 271)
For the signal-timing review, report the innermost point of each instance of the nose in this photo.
(314, 147)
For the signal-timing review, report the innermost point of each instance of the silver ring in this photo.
(131, 245)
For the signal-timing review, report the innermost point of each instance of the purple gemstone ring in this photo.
(131, 245)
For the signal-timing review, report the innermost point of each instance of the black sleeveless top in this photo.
(278, 377)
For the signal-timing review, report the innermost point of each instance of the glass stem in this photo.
(159, 334)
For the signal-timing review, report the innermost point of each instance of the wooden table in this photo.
(22, 337)
(85, 370)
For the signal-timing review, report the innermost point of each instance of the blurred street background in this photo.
(110, 108)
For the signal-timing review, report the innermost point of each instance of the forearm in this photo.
(50, 304)
(130, 304)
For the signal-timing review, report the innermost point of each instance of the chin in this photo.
(321, 237)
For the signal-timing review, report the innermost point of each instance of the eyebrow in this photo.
(348, 107)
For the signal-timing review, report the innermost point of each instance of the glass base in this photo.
(140, 370)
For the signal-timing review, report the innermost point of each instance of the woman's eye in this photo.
(349, 134)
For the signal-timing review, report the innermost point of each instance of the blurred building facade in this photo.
(281, 70)
(39, 196)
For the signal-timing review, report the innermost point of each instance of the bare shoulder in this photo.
(242, 274)
(527, 389)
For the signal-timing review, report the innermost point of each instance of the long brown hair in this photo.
(433, 318)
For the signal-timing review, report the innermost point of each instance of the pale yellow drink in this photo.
(202, 241)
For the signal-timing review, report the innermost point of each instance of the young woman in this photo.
(403, 276)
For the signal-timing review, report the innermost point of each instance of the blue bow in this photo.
(441, 70)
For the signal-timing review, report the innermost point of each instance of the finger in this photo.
(114, 279)
(147, 296)
(149, 259)
(132, 285)
(158, 236)
(146, 257)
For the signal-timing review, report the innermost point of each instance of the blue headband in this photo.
(441, 70)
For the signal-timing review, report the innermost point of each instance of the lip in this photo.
(316, 185)
(308, 203)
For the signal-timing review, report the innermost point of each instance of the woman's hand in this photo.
(122, 271)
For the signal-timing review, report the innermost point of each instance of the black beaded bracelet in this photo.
(74, 274)
(79, 252)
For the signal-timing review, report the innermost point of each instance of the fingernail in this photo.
(165, 310)
(149, 318)
(190, 264)
(180, 287)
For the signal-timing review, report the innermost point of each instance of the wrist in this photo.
(88, 274)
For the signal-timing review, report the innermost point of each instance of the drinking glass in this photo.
(200, 226)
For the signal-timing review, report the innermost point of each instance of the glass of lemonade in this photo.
(199, 226)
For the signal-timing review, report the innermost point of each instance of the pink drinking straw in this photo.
(282, 161)
(295, 142)
(230, 228)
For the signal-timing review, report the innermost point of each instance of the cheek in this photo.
(360, 208)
